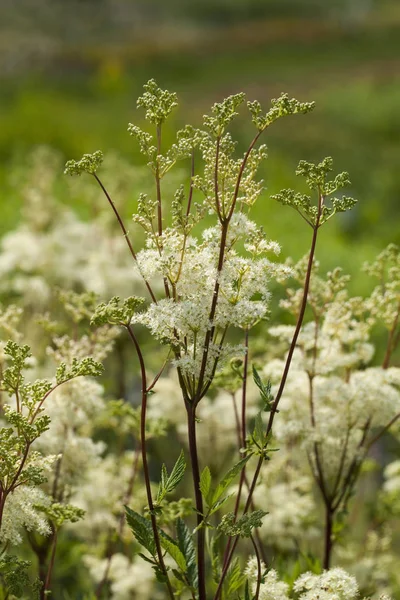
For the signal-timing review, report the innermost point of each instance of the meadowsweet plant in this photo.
(209, 288)
(221, 455)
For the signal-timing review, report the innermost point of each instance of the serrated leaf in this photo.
(234, 578)
(205, 482)
(142, 530)
(215, 559)
(217, 505)
(265, 390)
(177, 473)
(228, 478)
(247, 591)
(172, 548)
(186, 545)
(258, 432)
(169, 482)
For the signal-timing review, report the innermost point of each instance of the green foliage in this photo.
(87, 367)
(80, 307)
(186, 545)
(142, 530)
(60, 513)
(116, 314)
(89, 163)
(234, 579)
(144, 139)
(257, 442)
(169, 482)
(215, 498)
(157, 103)
(15, 575)
(243, 526)
(281, 107)
(222, 114)
(316, 179)
(265, 390)
(13, 376)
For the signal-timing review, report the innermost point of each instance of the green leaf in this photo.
(234, 579)
(244, 526)
(186, 545)
(142, 530)
(247, 591)
(265, 390)
(177, 473)
(172, 548)
(205, 482)
(217, 505)
(169, 482)
(259, 433)
(228, 478)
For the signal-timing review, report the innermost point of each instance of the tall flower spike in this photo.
(89, 163)
(281, 107)
(158, 103)
(316, 179)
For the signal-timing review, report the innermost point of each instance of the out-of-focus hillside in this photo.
(71, 73)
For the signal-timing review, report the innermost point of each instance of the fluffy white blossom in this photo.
(21, 512)
(335, 584)
(271, 588)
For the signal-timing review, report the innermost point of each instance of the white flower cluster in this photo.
(191, 268)
(335, 584)
(330, 396)
(21, 512)
(285, 491)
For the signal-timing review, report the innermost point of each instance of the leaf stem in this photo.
(143, 447)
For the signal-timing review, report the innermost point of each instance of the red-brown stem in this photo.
(382, 431)
(241, 429)
(244, 387)
(46, 586)
(143, 447)
(124, 231)
(259, 569)
(194, 459)
(328, 543)
(283, 381)
(214, 302)
(3, 496)
(224, 232)
(320, 472)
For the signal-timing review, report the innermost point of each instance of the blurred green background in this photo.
(71, 72)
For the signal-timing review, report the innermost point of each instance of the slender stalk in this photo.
(3, 496)
(241, 432)
(124, 231)
(46, 586)
(382, 431)
(194, 459)
(259, 569)
(283, 381)
(143, 447)
(328, 542)
(244, 387)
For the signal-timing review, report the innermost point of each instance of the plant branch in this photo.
(124, 231)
